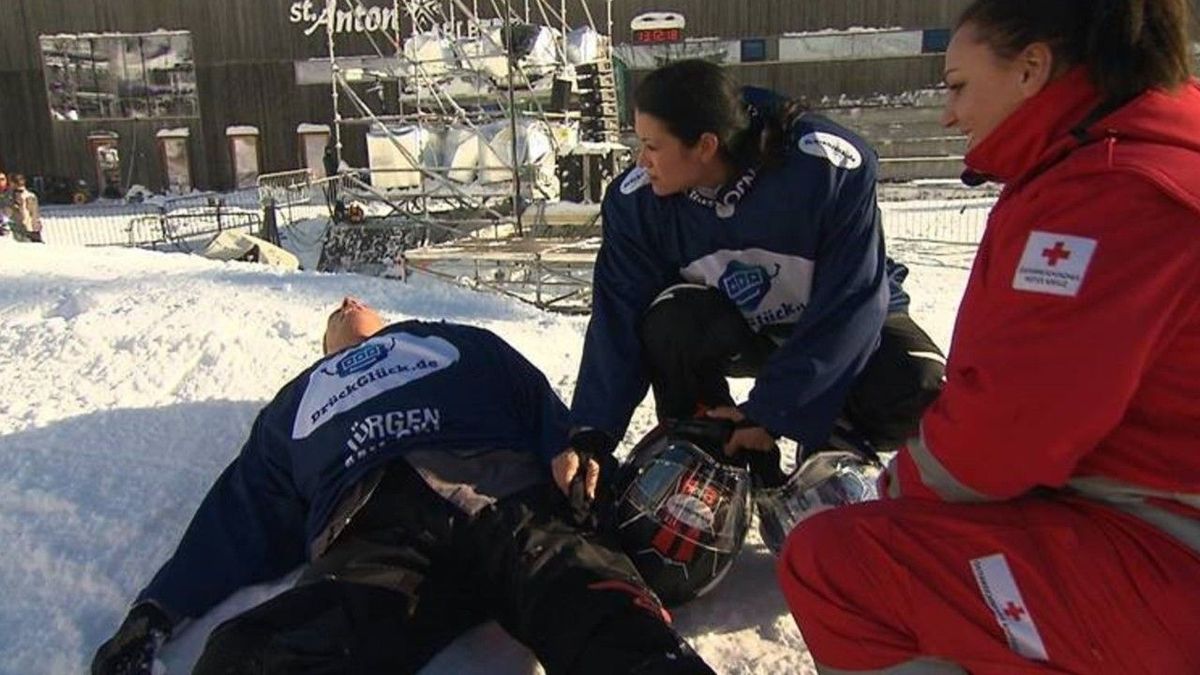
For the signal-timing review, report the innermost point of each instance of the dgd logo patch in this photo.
(361, 359)
(746, 285)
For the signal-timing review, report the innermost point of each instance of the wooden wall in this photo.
(759, 18)
(814, 81)
(244, 52)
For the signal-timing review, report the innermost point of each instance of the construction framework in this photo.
(485, 112)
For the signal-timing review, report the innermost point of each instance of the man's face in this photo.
(350, 324)
(3, 182)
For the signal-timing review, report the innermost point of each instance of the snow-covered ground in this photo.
(128, 379)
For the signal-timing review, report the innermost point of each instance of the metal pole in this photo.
(512, 113)
(537, 269)
(330, 13)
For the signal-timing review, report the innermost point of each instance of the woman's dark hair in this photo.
(1128, 46)
(695, 97)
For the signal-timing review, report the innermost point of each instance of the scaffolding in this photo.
(484, 110)
(480, 104)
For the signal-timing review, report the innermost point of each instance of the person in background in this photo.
(407, 470)
(1047, 517)
(746, 242)
(6, 202)
(26, 215)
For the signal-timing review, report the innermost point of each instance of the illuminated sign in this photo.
(654, 28)
(657, 36)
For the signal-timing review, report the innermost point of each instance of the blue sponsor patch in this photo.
(746, 285)
(361, 359)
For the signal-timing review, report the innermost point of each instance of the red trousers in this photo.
(1028, 586)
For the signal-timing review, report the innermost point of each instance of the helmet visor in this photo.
(825, 481)
(688, 493)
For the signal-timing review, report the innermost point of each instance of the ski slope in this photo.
(128, 379)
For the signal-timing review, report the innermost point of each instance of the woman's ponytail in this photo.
(1128, 46)
(1134, 45)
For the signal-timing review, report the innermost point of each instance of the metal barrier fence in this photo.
(296, 195)
(297, 210)
(942, 233)
(186, 223)
(951, 221)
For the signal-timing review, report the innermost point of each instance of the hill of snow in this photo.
(128, 379)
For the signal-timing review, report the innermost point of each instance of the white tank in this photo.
(390, 168)
(534, 146)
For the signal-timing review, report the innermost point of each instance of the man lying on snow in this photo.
(409, 468)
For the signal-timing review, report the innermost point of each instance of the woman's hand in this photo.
(747, 437)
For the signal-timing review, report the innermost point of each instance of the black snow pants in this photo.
(411, 573)
(694, 337)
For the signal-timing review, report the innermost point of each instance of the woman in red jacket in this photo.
(1047, 518)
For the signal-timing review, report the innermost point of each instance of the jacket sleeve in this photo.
(1036, 381)
(627, 277)
(801, 389)
(35, 214)
(248, 529)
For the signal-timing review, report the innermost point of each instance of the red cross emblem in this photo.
(1014, 611)
(1053, 255)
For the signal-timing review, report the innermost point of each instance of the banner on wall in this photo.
(315, 16)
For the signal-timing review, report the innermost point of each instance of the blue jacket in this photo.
(798, 249)
(413, 386)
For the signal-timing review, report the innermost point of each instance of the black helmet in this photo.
(826, 480)
(683, 509)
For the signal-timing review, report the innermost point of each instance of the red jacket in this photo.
(1075, 362)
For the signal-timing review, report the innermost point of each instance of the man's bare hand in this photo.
(566, 465)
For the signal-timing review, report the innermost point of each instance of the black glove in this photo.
(765, 469)
(131, 651)
(846, 438)
(710, 434)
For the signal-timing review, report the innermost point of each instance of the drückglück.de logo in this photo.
(767, 287)
(374, 367)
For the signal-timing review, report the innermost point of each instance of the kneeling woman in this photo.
(747, 242)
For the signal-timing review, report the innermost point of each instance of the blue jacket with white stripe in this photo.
(797, 248)
(412, 386)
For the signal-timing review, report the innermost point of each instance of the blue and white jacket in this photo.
(798, 249)
(413, 386)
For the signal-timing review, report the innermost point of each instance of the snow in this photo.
(129, 378)
(160, 32)
(852, 30)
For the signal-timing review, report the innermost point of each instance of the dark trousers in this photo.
(694, 337)
(411, 573)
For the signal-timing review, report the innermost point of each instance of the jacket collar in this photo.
(1037, 133)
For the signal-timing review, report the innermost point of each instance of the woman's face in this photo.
(983, 88)
(672, 166)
